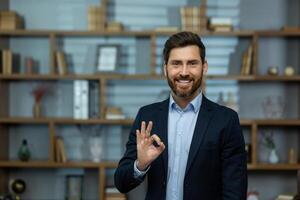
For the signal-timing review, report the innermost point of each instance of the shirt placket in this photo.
(177, 150)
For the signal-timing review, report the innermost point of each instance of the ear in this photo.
(205, 67)
(165, 70)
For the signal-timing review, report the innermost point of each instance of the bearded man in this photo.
(189, 147)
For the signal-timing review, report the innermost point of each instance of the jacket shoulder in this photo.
(155, 106)
(220, 109)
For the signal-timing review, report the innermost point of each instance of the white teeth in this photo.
(184, 81)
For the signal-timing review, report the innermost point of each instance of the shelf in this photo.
(282, 166)
(47, 164)
(277, 78)
(28, 120)
(17, 77)
(278, 122)
(149, 33)
(116, 76)
(111, 164)
(279, 33)
(230, 77)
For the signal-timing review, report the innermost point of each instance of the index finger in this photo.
(149, 128)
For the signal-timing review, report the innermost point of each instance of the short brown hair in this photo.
(183, 39)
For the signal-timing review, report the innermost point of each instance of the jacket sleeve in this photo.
(234, 161)
(124, 175)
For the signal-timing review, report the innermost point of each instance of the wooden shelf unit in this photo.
(53, 35)
(49, 164)
(85, 33)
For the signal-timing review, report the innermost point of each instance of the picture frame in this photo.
(74, 187)
(107, 57)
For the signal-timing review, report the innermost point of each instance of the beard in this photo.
(185, 93)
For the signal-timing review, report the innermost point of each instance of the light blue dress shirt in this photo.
(181, 125)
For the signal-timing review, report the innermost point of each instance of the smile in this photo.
(184, 82)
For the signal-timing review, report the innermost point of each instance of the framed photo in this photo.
(107, 58)
(74, 187)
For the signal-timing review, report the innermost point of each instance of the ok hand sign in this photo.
(147, 152)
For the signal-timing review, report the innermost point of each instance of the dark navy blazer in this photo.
(216, 167)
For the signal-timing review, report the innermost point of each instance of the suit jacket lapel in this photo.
(204, 116)
(163, 130)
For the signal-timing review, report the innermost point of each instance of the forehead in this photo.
(185, 53)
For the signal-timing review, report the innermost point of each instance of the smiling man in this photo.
(189, 147)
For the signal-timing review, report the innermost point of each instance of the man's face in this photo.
(184, 71)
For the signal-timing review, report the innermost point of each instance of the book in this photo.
(115, 27)
(61, 63)
(4, 61)
(112, 193)
(223, 21)
(247, 61)
(194, 18)
(81, 99)
(114, 113)
(10, 20)
(94, 100)
(167, 29)
(57, 151)
(285, 197)
(9, 62)
(62, 151)
(96, 18)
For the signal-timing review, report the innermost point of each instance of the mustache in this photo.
(184, 78)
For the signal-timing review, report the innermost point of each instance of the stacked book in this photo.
(81, 99)
(61, 63)
(194, 18)
(222, 24)
(96, 18)
(115, 27)
(247, 61)
(94, 100)
(114, 113)
(9, 61)
(112, 193)
(60, 152)
(10, 20)
(285, 197)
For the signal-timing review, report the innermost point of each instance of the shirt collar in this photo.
(194, 105)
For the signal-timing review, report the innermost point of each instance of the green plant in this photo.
(268, 140)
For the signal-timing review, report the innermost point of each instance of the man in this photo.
(189, 147)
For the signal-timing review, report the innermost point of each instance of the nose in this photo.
(184, 70)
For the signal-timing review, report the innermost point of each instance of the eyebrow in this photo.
(188, 61)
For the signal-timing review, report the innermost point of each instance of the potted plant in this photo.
(268, 142)
(38, 93)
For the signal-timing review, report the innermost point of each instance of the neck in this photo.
(182, 102)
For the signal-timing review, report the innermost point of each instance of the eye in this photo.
(193, 63)
(175, 63)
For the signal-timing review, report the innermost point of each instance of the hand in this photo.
(146, 151)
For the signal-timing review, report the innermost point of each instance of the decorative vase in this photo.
(24, 152)
(273, 157)
(96, 148)
(36, 109)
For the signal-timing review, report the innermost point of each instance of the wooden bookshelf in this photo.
(231, 77)
(86, 33)
(278, 122)
(29, 120)
(279, 33)
(295, 78)
(114, 164)
(47, 164)
(267, 167)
